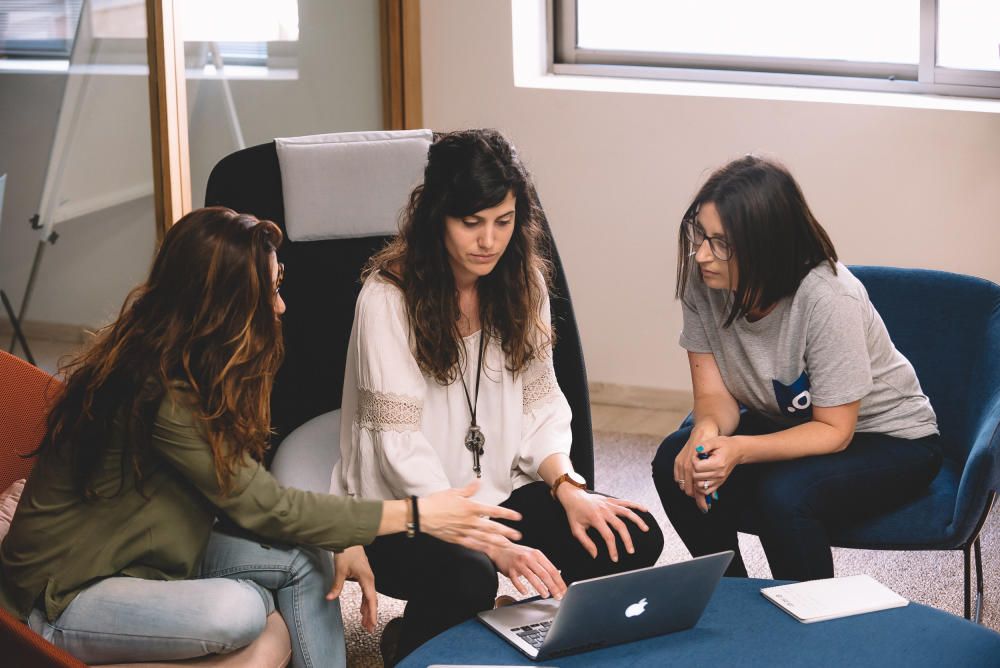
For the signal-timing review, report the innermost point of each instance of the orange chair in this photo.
(25, 396)
(26, 393)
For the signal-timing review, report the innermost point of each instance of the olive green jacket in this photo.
(60, 544)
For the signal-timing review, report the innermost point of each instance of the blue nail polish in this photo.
(702, 455)
(715, 495)
(700, 448)
(708, 499)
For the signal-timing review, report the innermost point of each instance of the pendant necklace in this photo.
(475, 441)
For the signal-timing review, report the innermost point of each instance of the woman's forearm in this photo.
(393, 517)
(804, 440)
(554, 466)
(715, 415)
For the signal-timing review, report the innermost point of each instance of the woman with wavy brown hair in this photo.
(114, 552)
(450, 379)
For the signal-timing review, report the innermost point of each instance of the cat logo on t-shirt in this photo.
(794, 400)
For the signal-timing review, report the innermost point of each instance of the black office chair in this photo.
(321, 287)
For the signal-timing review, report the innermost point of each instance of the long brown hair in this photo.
(466, 172)
(774, 236)
(205, 317)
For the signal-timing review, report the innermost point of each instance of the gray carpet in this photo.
(931, 578)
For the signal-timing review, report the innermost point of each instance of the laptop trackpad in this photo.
(520, 614)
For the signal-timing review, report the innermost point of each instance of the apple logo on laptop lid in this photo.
(636, 609)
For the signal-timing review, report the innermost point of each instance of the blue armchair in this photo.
(948, 326)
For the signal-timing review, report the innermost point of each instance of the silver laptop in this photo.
(612, 609)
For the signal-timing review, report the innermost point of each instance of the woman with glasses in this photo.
(114, 553)
(805, 414)
(450, 379)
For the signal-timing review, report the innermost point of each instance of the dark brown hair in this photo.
(205, 316)
(775, 239)
(466, 172)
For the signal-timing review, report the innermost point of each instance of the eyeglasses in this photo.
(696, 236)
(281, 277)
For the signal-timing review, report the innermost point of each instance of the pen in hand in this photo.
(715, 495)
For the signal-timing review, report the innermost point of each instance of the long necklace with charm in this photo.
(475, 441)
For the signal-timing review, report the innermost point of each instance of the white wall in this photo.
(615, 171)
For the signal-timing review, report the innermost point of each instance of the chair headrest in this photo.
(349, 184)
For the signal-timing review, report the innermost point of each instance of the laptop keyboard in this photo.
(533, 634)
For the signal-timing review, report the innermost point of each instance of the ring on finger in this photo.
(705, 485)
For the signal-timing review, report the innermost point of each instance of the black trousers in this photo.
(445, 584)
(792, 504)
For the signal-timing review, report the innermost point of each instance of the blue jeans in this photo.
(126, 619)
(791, 504)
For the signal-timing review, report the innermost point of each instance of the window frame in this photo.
(924, 78)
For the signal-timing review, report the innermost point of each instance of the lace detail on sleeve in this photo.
(540, 390)
(388, 412)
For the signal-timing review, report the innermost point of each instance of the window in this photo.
(947, 47)
(38, 28)
(252, 54)
(250, 33)
(244, 32)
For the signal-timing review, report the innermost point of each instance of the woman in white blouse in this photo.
(449, 378)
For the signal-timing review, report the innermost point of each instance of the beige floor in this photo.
(627, 420)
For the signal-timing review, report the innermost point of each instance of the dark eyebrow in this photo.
(710, 236)
(480, 218)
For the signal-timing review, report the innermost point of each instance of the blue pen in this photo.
(704, 455)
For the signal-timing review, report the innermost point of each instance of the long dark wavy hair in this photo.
(466, 172)
(206, 317)
(774, 236)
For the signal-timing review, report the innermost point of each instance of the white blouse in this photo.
(403, 433)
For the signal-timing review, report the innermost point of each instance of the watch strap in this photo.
(565, 477)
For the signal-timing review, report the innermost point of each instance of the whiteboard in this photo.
(101, 155)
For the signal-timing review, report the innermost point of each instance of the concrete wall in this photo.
(615, 171)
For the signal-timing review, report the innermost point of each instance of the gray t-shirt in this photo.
(826, 345)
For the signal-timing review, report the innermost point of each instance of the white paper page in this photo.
(819, 600)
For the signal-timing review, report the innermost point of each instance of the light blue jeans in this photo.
(130, 619)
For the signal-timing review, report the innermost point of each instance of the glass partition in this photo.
(75, 138)
(262, 69)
